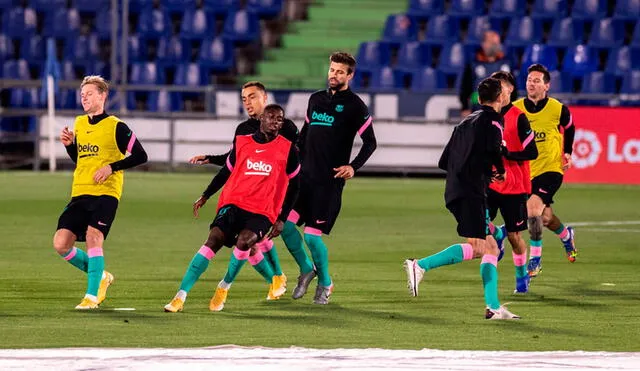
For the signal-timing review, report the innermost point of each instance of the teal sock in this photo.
(293, 242)
(489, 274)
(560, 229)
(78, 258)
(198, 265)
(95, 267)
(233, 269)
(520, 262)
(521, 271)
(274, 260)
(451, 255)
(497, 233)
(535, 249)
(262, 265)
(320, 256)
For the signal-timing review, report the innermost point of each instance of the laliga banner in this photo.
(607, 145)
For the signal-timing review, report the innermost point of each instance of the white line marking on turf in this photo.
(617, 230)
(605, 222)
(124, 309)
(608, 284)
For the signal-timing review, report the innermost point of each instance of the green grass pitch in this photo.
(589, 305)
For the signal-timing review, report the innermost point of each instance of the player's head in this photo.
(271, 119)
(341, 68)
(491, 43)
(538, 79)
(93, 94)
(508, 85)
(254, 98)
(490, 92)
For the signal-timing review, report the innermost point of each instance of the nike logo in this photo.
(320, 221)
(129, 134)
(542, 191)
(101, 223)
(89, 132)
(260, 150)
(520, 223)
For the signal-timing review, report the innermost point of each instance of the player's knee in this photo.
(289, 229)
(215, 240)
(310, 239)
(535, 228)
(94, 237)
(61, 243)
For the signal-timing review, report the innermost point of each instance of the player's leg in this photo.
(489, 273)
(565, 233)
(292, 238)
(535, 208)
(514, 212)
(71, 224)
(494, 202)
(270, 252)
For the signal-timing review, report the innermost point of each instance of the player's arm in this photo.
(219, 160)
(369, 143)
(128, 143)
(223, 175)
(68, 139)
(293, 169)
(527, 136)
(493, 147)
(303, 133)
(466, 87)
(290, 131)
(566, 123)
(444, 157)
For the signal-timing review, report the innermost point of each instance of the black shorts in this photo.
(512, 207)
(232, 220)
(81, 212)
(546, 185)
(318, 205)
(472, 217)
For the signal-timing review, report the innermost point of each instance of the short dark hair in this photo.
(273, 106)
(257, 84)
(546, 76)
(489, 90)
(344, 58)
(507, 77)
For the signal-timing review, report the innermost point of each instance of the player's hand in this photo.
(198, 204)
(199, 160)
(498, 177)
(567, 161)
(275, 231)
(102, 174)
(66, 136)
(345, 172)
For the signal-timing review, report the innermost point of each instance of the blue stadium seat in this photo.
(606, 33)
(159, 101)
(177, 6)
(136, 50)
(33, 50)
(579, 61)
(549, 9)
(373, 55)
(146, 73)
(558, 84)
(103, 68)
(589, 9)
(68, 98)
(524, 31)
(217, 55)
(7, 4)
(189, 74)
(20, 98)
(452, 59)
(6, 48)
(386, 79)
(94, 6)
(265, 9)
(441, 30)
(565, 32)
(422, 9)
(221, 7)
(619, 62)
(635, 39)
(19, 22)
(503, 9)
(400, 28)
(103, 25)
(154, 23)
(540, 53)
(82, 49)
(598, 83)
(413, 56)
(427, 80)
(628, 10)
(631, 83)
(171, 50)
(62, 23)
(478, 26)
(137, 6)
(47, 6)
(196, 24)
(465, 9)
(241, 27)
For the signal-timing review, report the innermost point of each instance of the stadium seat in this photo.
(598, 82)
(170, 50)
(465, 9)
(628, 10)
(549, 9)
(565, 32)
(635, 38)
(477, 27)
(558, 84)
(188, 74)
(177, 6)
(265, 9)
(154, 23)
(94, 6)
(631, 83)
(33, 50)
(441, 30)
(540, 53)
(386, 79)
(103, 68)
(606, 33)
(221, 7)
(159, 101)
(400, 28)
(146, 73)
(19, 22)
(452, 59)
(217, 55)
(241, 27)
(46, 6)
(422, 9)
(196, 24)
(579, 61)
(62, 23)
(427, 80)
(504, 9)
(20, 97)
(619, 62)
(7, 4)
(413, 56)
(373, 55)
(589, 9)
(6, 48)
(524, 31)
(82, 49)
(103, 25)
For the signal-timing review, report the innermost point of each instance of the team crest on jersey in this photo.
(258, 168)
(339, 108)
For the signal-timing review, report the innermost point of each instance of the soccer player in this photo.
(510, 196)
(468, 158)
(254, 100)
(547, 117)
(334, 117)
(260, 187)
(98, 145)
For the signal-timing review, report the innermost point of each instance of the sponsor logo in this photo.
(260, 150)
(258, 168)
(587, 149)
(321, 119)
(339, 107)
(540, 136)
(88, 150)
(101, 223)
(320, 221)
